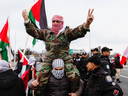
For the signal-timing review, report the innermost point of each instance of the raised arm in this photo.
(31, 29)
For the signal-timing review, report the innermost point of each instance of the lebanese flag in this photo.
(4, 43)
(37, 14)
(123, 58)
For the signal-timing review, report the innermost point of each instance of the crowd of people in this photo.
(61, 75)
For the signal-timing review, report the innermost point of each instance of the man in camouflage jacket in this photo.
(57, 46)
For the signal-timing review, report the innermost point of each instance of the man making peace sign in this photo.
(57, 41)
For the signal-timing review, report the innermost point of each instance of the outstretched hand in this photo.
(25, 15)
(90, 18)
(35, 82)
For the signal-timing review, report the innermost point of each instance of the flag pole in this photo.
(25, 45)
(27, 35)
(33, 77)
(10, 43)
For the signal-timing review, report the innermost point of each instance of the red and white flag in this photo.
(124, 56)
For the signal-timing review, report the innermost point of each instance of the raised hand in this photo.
(25, 15)
(90, 18)
(22, 60)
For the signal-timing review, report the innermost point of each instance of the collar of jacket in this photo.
(97, 72)
(104, 57)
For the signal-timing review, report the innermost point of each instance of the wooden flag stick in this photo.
(25, 46)
(33, 76)
(27, 35)
(10, 43)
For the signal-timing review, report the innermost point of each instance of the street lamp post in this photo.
(15, 47)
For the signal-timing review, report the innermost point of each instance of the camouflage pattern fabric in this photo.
(57, 46)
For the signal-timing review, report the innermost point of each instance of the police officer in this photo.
(99, 82)
(74, 59)
(95, 51)
(105, 62)
(83, 63)
(78, 60)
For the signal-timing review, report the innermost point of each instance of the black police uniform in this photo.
(100, 83)
(105, 64)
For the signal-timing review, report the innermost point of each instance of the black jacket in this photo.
(97, 54)
(57, 87)
(117, 63)
(18, 67)
(11, 84)
(83, 68)
(105, 64)
(101, 84)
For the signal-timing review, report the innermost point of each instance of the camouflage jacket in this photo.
(57, 46)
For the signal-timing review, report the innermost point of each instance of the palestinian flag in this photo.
(4, 43)
(25, 62)
(37, 14)
(26, 77)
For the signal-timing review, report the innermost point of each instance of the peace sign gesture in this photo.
(90, 18)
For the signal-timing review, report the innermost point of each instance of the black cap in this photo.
(95, 49)
(106, 49)
(94, 59)
(84, 53)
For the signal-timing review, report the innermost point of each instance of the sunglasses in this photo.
(56, 21)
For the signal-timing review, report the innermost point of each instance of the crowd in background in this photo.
(111, 67)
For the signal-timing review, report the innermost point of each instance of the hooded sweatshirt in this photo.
(11, 84)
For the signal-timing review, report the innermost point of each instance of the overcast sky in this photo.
(109, 28)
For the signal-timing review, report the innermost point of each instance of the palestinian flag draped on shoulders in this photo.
(37, 16)
(4, 43)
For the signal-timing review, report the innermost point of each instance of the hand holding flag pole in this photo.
(25, 16)
(35, 82)
(25, 13)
